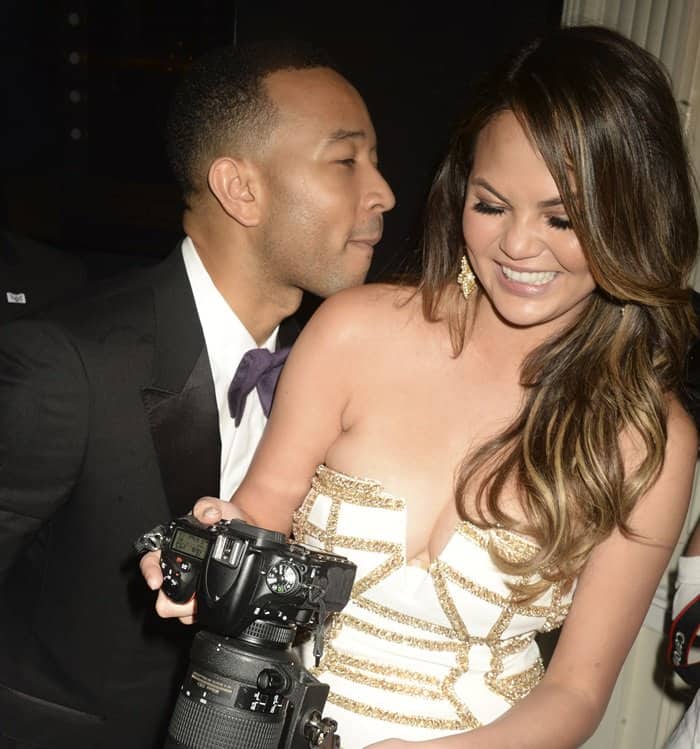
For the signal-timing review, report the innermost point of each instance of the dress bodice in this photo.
(418, 651)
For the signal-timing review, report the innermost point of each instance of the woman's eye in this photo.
(557, 222)
(347, 162)
(489, 210)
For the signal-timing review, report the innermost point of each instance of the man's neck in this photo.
(260, 306)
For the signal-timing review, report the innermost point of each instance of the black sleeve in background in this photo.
(44, 411)
(690, 393)
(34, 275)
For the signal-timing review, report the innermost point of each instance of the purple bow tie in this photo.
(258, 369)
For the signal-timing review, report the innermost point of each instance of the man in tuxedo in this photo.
(116, 411)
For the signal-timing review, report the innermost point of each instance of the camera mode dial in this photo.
(283, 578)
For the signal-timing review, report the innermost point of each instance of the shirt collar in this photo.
(226, 337)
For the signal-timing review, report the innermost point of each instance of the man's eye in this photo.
(489, 210)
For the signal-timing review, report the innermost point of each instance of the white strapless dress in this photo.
(417, 654)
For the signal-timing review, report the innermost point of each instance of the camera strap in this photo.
(151, 540)
(320, 632)
(681, 638)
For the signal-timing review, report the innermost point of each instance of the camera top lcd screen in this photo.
(187, 543)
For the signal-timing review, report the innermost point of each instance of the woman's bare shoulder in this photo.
(367, 310)
(681, 429)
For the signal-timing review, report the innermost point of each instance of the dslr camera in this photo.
(245, 687)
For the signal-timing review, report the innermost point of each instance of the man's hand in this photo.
(208, 510)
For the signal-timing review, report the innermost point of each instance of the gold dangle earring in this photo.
(466, 278)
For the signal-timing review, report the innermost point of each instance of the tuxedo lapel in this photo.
(180, 403)
(288, 332)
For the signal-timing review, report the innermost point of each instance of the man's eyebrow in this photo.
(549, 203)
(342, 134)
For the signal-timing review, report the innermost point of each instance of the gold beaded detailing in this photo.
(355, 490)
(558, 609)
(469, 721)
(372, 711)
(390, 635)
(514, 688)
(397, 616)
(387, 631)
(513, 546)
(505, 602)
(392, 679)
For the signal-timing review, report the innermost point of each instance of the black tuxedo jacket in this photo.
(108, 426)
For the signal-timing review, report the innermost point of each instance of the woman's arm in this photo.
(313, 392)
(612, 597)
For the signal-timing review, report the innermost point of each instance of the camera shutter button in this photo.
(271, 681)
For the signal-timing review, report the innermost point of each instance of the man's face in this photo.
(324, 197)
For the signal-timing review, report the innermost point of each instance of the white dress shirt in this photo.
(227, 339)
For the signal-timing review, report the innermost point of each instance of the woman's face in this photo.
(518, 237)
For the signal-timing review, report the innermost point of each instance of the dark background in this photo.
(86, 87)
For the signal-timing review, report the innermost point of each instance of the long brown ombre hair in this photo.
(600, 111)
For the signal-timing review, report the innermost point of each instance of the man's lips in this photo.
(366, 240)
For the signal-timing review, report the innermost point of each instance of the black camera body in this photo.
(243, 574)
(245, 687)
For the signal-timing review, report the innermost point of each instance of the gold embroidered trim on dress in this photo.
(339, 488)
(391, 636)
(354, 490)
(513, 688)
(380, 668)
(442, 724)
(354, 670)
(410, 621)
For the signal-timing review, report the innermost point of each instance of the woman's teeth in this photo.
(538, 278)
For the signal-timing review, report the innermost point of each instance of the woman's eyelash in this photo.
(489, 210)
(555, 222)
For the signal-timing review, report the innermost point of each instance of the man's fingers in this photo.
(150, 569)
(167, 609)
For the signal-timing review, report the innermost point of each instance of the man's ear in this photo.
(233, 183)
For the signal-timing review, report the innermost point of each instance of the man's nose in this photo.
(379, 195)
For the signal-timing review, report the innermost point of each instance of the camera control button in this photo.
(271, 681)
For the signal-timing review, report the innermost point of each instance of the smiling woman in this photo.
(519, 240)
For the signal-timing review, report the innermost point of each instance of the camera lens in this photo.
(223, 704)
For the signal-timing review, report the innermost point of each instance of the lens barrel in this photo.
(235, 693)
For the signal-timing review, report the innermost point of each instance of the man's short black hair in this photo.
(221, 104)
